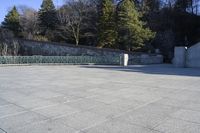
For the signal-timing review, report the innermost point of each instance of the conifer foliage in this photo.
(11, 21)
(107, 28)
(47, 16)
(132, 32)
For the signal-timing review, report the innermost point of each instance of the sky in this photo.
(6, 5)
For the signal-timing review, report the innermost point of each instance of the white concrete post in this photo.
(179, 57)
(124, 59)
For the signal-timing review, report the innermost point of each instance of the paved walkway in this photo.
(99, 99)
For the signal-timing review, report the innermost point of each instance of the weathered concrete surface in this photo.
(99, 99)
(179, 57)
(187, 57)
(193, 56)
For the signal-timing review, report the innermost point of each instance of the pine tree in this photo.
(47, 16)
(11, 21)
(107, 28)
(131, 30)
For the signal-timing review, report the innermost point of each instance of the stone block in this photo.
(179, 56)
(193, 56)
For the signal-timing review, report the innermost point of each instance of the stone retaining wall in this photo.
(29, 48)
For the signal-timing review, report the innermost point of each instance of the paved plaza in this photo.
(99, 99)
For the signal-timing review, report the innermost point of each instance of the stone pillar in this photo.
(179, 57)
(124, 59)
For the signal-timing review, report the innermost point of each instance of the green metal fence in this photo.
(59, 60)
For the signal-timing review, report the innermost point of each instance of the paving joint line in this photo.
(3, 130)
(119, 116)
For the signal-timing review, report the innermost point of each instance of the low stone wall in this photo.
(145, 59)
(151, 59)
(29, 48)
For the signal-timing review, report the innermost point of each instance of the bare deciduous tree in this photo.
(5, 49)
(28, 21)
(15, 48)
(71, 17)
(8, 45)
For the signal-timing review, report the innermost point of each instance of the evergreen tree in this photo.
(107, 29)
(47, 16)
(11, 21)
(131, 30)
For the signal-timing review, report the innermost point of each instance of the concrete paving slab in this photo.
(10, 110)
(12, 123)
(2, 131)
(148, 116)
(126, 104)
(118, 127)
(186, 104)
(46, 127)
(35, 103)
(79, 93)
(187, 115)
(110, 99)
(107, 111)
(82, 120)
(3, 102)
(171, 102)
(13, 96)
(56, 110)
(84, 104)
(186, 95)
(64, 99)
(46, 94)
(105, 99)
(178, 126)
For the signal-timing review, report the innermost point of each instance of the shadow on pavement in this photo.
(162, 69)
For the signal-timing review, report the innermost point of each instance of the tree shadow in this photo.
(162, 69)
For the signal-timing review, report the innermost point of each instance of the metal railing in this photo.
(60, 60)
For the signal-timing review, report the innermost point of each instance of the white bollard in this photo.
(124, 59)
